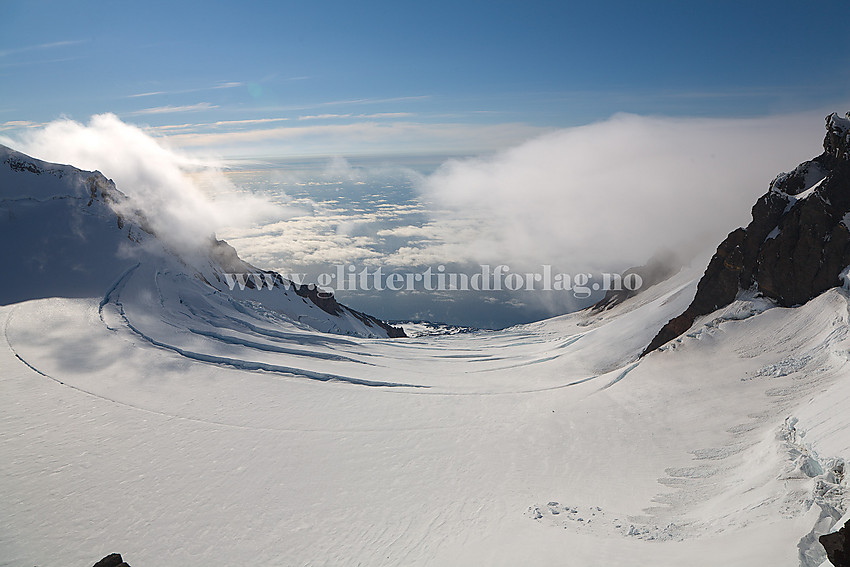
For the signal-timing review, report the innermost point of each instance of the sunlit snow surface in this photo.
(178, 427)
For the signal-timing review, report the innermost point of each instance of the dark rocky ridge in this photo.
(796, 245)
(226, 257)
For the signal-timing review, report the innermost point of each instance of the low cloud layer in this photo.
(595, 198)
(608, 195)
(165, 185)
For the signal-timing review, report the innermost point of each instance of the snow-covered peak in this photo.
(72, 233)
(24, 177)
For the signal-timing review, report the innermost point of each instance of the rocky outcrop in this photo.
(657, 269)
(111, 560)
(225, 257)
(797, 244)
(326, 301)
(837, 546)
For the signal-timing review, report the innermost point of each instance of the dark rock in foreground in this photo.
(837, 546)
(111, 560)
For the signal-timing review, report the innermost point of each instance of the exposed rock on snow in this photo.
(660, 267)
(837, 546)
(111, 560)
(796, 245)
(421, 328)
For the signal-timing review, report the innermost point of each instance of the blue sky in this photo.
(328, 77)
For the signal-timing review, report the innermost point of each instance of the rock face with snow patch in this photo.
(797, 244)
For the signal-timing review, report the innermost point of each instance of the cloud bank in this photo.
(594, 198)
(608, 195)
(184, 199)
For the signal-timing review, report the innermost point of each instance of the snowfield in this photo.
(149, 410)
(181, 426)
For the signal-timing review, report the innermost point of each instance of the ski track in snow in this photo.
(221, 321)
(165, 414)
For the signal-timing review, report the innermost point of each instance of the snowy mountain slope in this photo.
(72, 233)
(204, 439)
(57, 229)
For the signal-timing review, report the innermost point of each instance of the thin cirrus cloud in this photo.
(190, 128)
(228, 85)
(378, 100)
(41, 47)
(193, 127)
(373, 116)
(323, 116)
(173, 109)
(345, 102)
(16, 124)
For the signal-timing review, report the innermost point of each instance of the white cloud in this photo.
(410, 231)
(164, 185)
(609, 194)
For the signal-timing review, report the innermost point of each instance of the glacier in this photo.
(151, 413)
